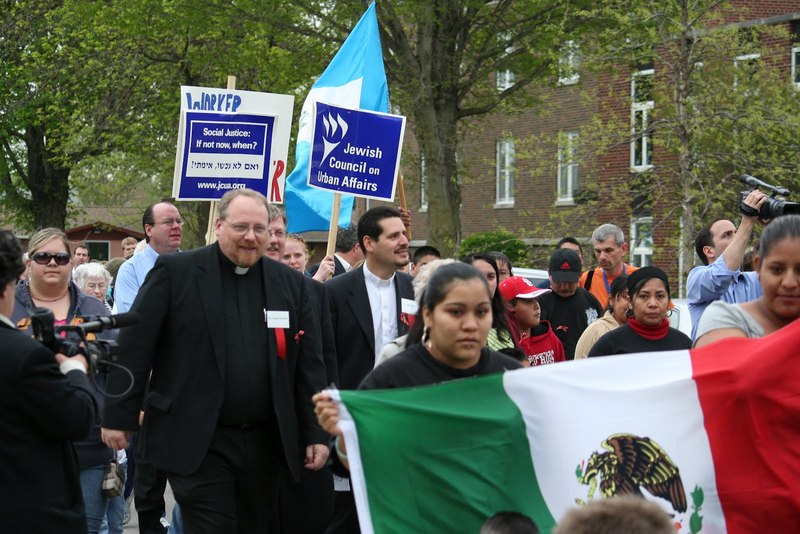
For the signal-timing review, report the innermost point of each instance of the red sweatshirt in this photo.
(543, 348)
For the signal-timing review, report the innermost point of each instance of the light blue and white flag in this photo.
(355, 78)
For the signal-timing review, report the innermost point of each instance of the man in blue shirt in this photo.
(163, 228)
(721, 248)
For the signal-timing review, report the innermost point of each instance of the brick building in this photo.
(517, 170)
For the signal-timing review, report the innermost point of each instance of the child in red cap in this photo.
(536, 338)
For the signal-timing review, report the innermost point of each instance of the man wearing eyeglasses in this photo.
(235, 353)
(163, 229)
(276, 240)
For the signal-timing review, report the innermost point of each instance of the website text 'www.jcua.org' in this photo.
(220, 185)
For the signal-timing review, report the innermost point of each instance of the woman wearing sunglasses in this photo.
(48, 284)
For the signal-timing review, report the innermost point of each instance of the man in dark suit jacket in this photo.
(363, 320)
(347, 251)
(42, 411)
(234, 350)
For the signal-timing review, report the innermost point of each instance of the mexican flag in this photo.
(712, 435)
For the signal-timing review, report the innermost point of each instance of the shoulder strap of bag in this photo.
(587, 285)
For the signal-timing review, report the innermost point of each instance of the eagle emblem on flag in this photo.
(630, 464)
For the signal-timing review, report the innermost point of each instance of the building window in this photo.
(796, 65)
(641, 114)
(423, 184)
(505, 79)
(568, 64)
(505, 173)
(642, 239)
(747, 67)
(99, 250)
(567, 167)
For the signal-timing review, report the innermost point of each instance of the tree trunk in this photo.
(47, 180)
(435, 131)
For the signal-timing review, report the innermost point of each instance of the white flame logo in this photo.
(332, 129)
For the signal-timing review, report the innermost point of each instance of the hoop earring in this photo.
(629, 312)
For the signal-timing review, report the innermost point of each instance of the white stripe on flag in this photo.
(358, 483)
(346, 96)
(571, 408)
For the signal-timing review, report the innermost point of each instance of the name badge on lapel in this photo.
(278, 321)
(408, 311)
(408, 306)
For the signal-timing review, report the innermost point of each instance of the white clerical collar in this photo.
(6, 320)
(376, 280)
(241, 270)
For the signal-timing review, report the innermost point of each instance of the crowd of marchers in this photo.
(216, 388)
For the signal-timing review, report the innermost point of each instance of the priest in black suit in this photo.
(235, 354)
(370, 306)
(45, 404)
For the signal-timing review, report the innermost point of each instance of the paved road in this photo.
(133, 526)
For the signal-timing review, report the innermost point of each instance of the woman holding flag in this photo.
(448, 342)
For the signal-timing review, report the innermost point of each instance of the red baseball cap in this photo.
(519, 287)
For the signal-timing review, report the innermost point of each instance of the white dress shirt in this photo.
(383, 304)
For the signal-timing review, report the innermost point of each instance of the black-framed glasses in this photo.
(43, 258)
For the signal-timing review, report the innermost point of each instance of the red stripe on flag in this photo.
(749, 392)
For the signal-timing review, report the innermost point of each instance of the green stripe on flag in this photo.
(443, 458)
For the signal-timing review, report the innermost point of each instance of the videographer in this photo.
(721, 247)
(49, 284)
(45, 402)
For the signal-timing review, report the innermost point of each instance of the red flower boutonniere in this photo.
(407, 319)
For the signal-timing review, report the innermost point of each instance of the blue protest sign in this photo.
(355, 152)
(231, 140)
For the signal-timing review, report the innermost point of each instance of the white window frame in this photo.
(644, 108)
(505, 79)
(504, 190)
(741, 59)
(641, 255)
(567, 177)
(796, 65)
(569, 63)
(423, 184)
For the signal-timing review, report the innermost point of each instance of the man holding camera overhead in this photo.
(721, 248)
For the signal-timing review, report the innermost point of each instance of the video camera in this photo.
(101, 354)
(774, 206)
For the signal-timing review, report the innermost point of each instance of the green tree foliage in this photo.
(441, 59)
(723, 106)
(498, 240)
(90, 100)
